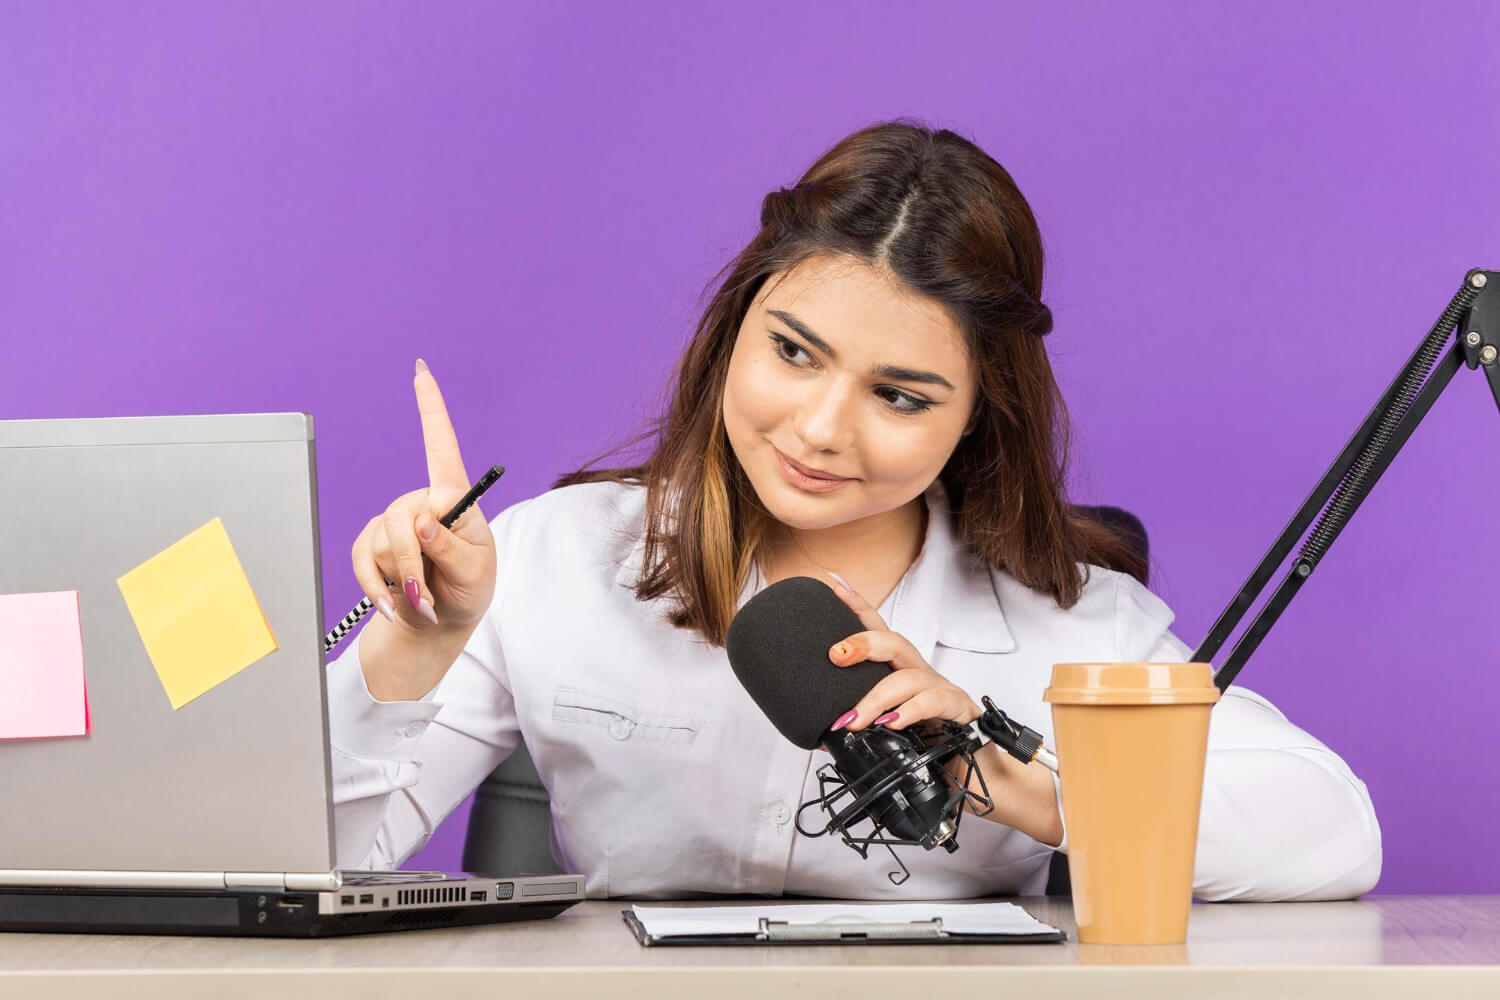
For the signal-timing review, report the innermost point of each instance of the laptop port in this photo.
(289, 902)
(347, 900)
(368, 899)
(479, 896)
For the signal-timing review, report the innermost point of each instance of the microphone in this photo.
(778, 648)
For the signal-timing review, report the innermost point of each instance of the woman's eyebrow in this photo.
(884, 371)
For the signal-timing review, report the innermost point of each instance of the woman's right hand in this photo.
(444, 579)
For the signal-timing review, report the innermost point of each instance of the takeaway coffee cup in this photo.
(1131, 739)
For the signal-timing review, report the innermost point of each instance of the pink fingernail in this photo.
(841, 580)
(887, 717)
(424, 608)
(386, 609)
(413, 595)
(844, 720)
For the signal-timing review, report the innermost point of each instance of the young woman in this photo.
(867, 400)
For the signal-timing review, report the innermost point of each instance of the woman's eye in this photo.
(787, 351)
(903, 402)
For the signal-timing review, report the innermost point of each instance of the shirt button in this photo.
(620, 729)
(781, 814)
(414, 729)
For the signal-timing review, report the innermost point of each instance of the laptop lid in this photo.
(235, 780)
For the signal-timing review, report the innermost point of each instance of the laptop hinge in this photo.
(294, 881)
(314, 881)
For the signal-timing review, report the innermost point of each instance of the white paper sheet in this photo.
(958, 918)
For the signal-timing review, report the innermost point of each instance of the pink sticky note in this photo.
(41, 666)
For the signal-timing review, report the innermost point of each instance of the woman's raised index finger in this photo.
(445, 465)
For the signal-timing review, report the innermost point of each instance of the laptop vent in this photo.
(437, 894)
(422, 918)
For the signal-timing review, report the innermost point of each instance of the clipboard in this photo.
(779, 932)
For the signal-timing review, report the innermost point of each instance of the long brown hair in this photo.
(947, 220)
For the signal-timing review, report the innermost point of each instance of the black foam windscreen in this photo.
(778, 647)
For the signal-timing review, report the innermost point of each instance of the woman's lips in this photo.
(800, 479)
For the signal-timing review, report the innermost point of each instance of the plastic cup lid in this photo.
(1132, 684)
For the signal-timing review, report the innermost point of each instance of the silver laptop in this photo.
(215, 817)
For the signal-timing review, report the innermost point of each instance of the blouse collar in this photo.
(947, 596)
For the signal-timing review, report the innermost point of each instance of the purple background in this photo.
(1253, 214)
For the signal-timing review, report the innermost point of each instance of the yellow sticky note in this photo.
(196, 613)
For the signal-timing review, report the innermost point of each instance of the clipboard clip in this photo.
(843, 929)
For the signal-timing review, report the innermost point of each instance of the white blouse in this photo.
(666, 780)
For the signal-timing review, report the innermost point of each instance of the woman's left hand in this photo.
(1024, 797)
(913, 692)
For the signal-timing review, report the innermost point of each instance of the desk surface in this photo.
(1380, 946)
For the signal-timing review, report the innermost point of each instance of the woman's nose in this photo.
(824, 421)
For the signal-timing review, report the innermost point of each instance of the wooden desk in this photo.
(1437, 947)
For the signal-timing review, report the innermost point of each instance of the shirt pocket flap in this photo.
(623, 720)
